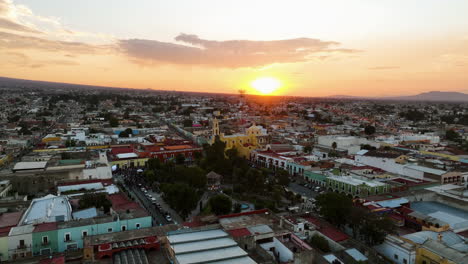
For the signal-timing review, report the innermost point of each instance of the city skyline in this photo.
(363, 48)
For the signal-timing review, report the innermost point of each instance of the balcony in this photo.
(45, 243)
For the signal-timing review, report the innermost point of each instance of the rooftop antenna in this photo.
(242, 93)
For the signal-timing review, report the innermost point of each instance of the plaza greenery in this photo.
(369, 227)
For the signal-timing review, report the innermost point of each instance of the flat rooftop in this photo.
(196, 236)
(30, 165)
(456, 218)
(355, 181)
(47, 209)
(206, 246)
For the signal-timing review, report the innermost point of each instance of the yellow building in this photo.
(254, 138)
(438, 247)
(434, 252)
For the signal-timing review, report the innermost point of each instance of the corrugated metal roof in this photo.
(394, 203)
(84, 214)
(355, 254)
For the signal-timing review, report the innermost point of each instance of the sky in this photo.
(314, 48)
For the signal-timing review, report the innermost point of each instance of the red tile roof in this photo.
(241, 232)
(121, 203)
(45, 227)
(10, 219)
(4, 231)
(54, 260)
(120, 150)
(328, 230)
(463, 234)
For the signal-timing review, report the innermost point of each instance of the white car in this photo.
(168, 218)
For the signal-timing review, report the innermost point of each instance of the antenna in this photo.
(241, 93)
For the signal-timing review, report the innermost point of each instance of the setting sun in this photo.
(266, 85)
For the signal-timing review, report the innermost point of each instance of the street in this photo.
(133, 183)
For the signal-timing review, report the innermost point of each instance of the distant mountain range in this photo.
(433, 96)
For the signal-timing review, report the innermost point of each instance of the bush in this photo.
(220, 204)
(320, 243)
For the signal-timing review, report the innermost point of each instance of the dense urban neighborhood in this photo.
(108, 175)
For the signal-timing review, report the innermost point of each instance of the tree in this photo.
(320, 243)
(154, 163)
(283, 177)
(188, 123)
(98, 200)
(70, 143)
(334, 145)
(220, 204)
(308, 149)
(452, 135)
(181, 197)
(180, 159)
(126, 133)
(335, 207)
(369, 130)
(150, 176)
(113, 122)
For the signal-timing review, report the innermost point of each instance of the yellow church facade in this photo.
(254, 138)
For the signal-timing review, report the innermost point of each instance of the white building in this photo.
(388, 162)
(397, 250)
(47, 209)
(20, 242)
(349, 143)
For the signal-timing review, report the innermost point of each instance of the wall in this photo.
(37, 242)
(98, 229)
(390, 249)
(389, 165)
(14, 241)
(3, 248)
(285, 254)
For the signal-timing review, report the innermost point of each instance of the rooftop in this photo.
(47, 209)
(206, 246)
(356, 181)
(10, 219)
(30, 165)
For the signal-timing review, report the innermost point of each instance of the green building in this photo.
(45, 239)
(317, 178)
(356, 186)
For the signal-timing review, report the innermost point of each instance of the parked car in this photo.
(168, 218)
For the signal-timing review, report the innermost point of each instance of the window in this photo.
(395, 256)
(137, 226)
(405, 261)
(84, 233)
(21, 243)
(123, 228)
(45, 240)
(67, 237)
(109, 230)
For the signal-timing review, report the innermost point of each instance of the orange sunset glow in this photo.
(368, 48)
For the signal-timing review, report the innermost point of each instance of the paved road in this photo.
(297, 188)
(158, 215)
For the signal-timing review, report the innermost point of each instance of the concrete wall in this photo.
(390, 249)
(389, 165)
(280, 250)
(3, 248)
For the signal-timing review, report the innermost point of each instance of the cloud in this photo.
(384, 68)
(19, 59)
(6, 24)
(12, 41)
(230, 54)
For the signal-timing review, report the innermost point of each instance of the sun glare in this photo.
(266, 85)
